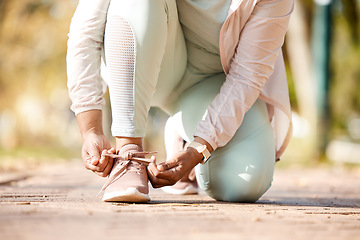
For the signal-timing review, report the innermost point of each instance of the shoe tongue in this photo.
(130, 148)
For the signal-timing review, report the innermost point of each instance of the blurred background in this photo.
(322, 53)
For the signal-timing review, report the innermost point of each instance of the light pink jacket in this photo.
(250, 51)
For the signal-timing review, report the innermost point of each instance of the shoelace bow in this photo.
(122, 170)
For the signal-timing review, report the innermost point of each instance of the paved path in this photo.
(58, 202)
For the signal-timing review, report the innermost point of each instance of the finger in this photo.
(168, 177)
(93, 168)
(95, 156)
(89, 165)
(167, 165)
(153, 159)
(101, 174)
(108, 167)
(171, 174)
(152, 169)
(103, 153)
(104, 159)
(158, 182)
(106, 171)
(105, 163)
(103, 168)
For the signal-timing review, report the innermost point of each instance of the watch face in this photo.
(201, 148)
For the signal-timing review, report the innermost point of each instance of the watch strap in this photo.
(201, 148)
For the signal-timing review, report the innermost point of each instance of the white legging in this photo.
(146, 59)
(142, 37)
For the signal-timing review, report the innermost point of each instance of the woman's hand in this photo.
(171, 171)
(94, 145)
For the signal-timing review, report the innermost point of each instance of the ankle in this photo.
(122, 141)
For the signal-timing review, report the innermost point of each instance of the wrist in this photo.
(196, 156)
(204, 142)
(201, 148)
(90, 122)
(90, 134)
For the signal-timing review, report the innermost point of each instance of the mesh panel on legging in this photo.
(120, 60)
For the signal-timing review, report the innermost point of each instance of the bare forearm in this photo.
(90, 122)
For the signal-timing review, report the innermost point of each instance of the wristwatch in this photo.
(200, 148)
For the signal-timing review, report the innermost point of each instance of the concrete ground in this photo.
(58, 202)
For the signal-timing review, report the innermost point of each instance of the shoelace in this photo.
(122, 170)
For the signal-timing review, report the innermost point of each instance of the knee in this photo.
(236, 181)
(243, 187)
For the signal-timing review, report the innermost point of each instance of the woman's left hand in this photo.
(171, 171)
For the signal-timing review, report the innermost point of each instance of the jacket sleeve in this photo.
(253, 63)
(85, 44)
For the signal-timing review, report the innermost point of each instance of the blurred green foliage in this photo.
(344, 99)
(34, 107)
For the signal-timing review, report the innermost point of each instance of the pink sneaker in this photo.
(186, 186)
(128, 179)
(182, 188)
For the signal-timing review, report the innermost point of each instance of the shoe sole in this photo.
(130, 195)
(189, 190)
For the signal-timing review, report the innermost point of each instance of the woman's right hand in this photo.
(95, 143)
(93, 147)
